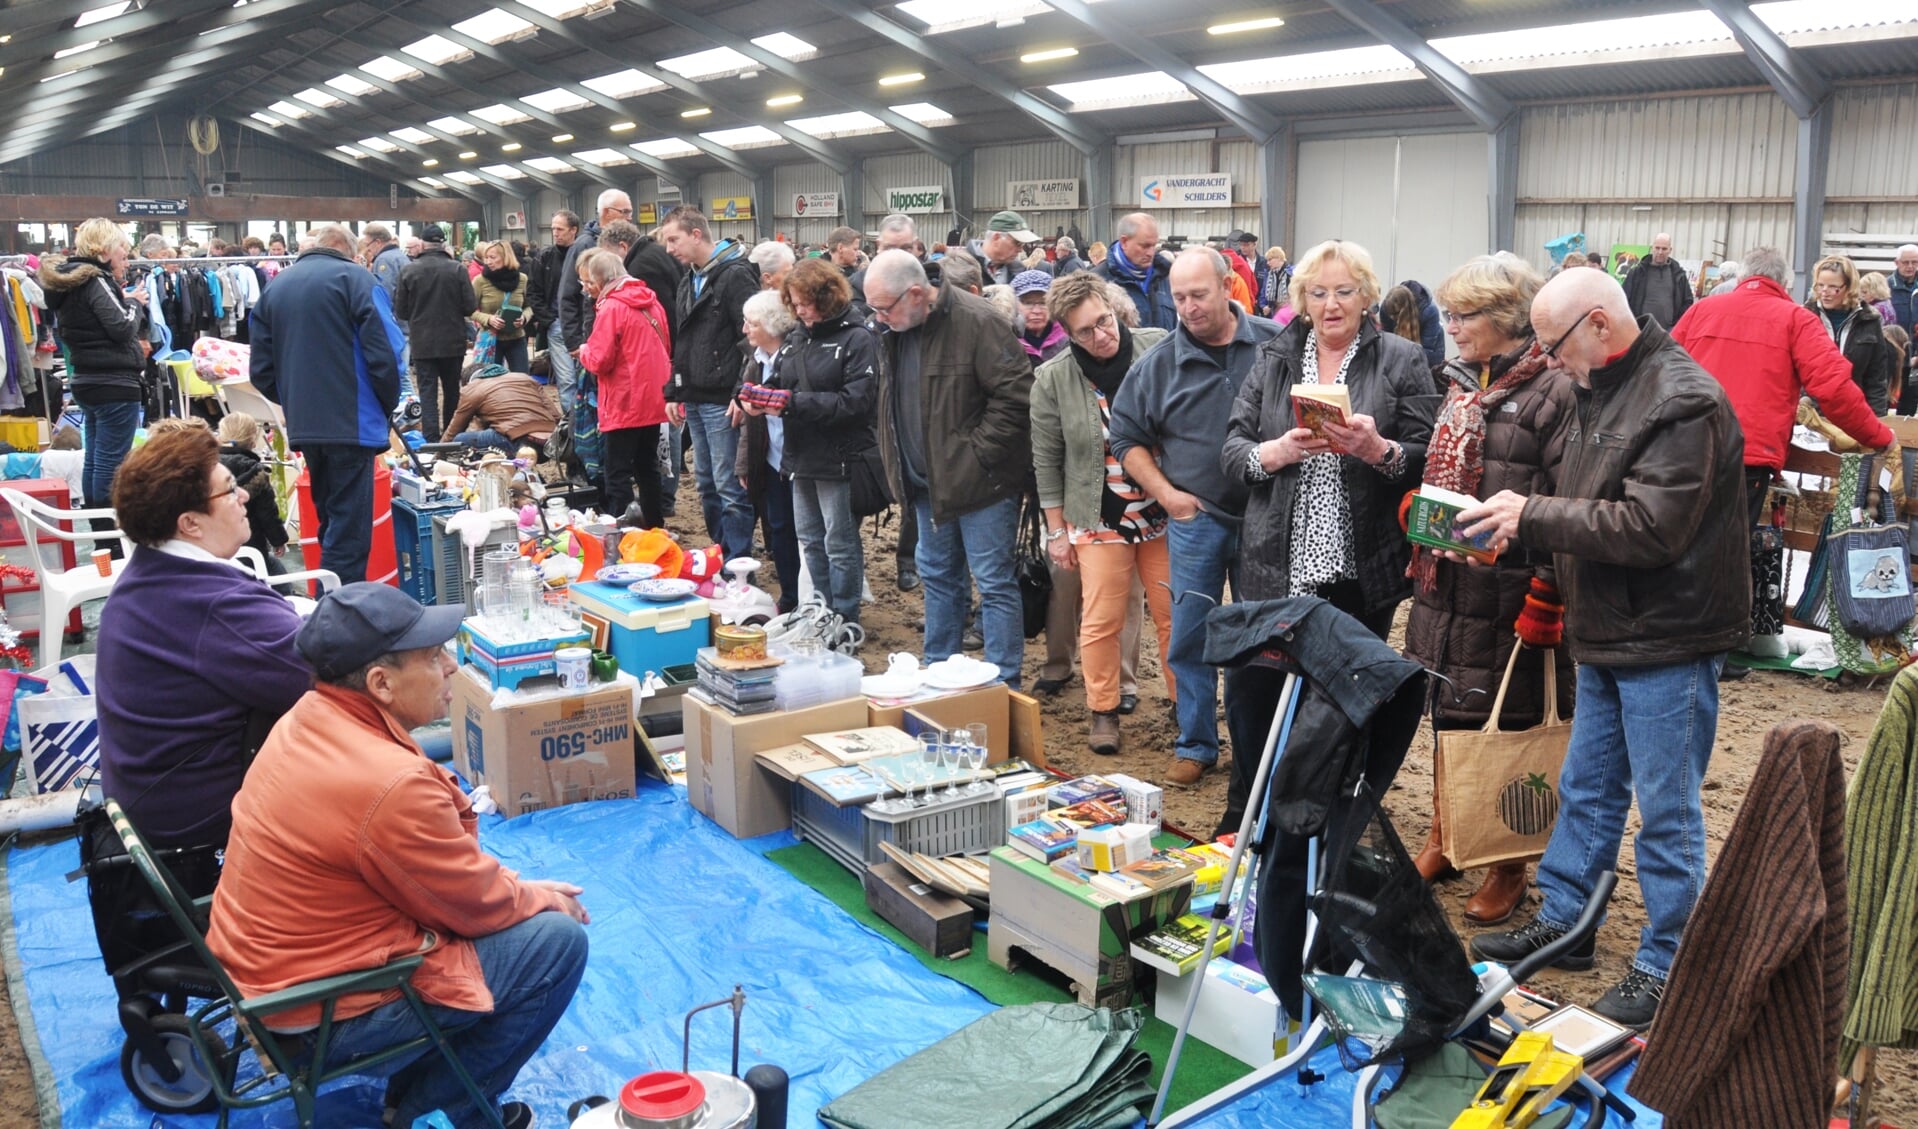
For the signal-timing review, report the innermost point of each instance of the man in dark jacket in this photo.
(1068, 259)
(1648, 533)
(645, 260)
(955, 434)
(565, 228)
(1659, 286)
(322, 352)
(434, 298)
(707, 346)
(1135, 262)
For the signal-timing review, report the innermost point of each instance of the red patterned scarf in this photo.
(1455, 460)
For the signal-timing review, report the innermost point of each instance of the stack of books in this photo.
(1174, 948)
(1047, 840)
(738, 692)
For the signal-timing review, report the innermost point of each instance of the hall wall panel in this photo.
(1874, 141)
(902, 170)
(1717, 147)
(993, 166)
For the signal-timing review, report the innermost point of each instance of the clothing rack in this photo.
(203, 260)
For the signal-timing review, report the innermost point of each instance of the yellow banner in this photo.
(647, 216)
(731, 208)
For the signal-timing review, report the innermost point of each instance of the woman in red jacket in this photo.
(630, 351)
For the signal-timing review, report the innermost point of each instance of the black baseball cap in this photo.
(357, 623)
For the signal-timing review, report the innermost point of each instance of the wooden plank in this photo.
(240, 208)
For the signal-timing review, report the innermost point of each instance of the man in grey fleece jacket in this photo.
(1168, 423)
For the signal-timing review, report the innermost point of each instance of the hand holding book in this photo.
(1495, 519)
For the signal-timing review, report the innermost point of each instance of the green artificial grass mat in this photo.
(1780, 664)
(1202, 1069)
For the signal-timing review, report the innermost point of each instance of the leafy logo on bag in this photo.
(1528, 804)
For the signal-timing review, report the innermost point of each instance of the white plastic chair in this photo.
(62, 590)
(256, 563)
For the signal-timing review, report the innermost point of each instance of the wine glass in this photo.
(976, 755)
(953, 753)
(929, 755)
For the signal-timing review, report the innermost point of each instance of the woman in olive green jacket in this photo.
(1097, 520)
(500, 287)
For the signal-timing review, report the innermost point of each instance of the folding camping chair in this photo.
(1381, 961)
(286, 1071)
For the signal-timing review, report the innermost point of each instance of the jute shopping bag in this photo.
(1498, 791)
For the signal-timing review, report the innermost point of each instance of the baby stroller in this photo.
(155, 971)
(1345, 924)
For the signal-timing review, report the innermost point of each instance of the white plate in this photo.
(889, 685)
(626, 574)
(664, 591)
(960, 674)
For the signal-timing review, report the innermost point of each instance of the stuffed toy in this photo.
(704, 567)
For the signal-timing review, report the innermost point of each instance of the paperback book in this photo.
(1433, 519)
(854, 746)
(1315, 405)
(1047, 840)
(1174, 948)
(845, 785)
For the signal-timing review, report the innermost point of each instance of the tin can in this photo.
(575, 667)
(740, 641)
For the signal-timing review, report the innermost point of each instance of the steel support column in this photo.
(1274, 182)
(1501, 145)
(852, 196)
(962, 193)
(1101, 194)
(1808, 196)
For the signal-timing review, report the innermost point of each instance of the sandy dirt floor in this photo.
(1749, 707)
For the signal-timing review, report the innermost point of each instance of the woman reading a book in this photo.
(1498, 429)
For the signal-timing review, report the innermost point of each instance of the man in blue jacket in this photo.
(322, 352)
(1135, 262)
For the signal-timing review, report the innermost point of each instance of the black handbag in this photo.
(559, 445)
(866, 472)
(1031, 568)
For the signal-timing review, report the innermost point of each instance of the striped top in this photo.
(1144, 518)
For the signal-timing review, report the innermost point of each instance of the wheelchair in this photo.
(155, 970)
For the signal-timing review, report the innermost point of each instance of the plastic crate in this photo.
(968, 825)
(414, 548)
(836, 830)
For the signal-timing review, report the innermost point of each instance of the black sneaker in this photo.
(1515, 945)
(972, 640)
(1633, 1001)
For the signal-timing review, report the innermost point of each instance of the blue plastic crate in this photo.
(413, 546)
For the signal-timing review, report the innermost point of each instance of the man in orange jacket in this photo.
(350, 849)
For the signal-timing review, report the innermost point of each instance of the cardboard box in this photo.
(936, 922)
(723, 777)
(1238, 1012)
(1012, 720)
(1144, 802)
(1113, 848)
(546, 748)
(1072, 927)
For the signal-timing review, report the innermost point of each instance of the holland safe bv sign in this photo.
(1186, 190)
(919, 199)
(816, 204)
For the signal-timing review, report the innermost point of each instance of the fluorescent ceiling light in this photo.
(436, 49)
(317, 97)
(104, 12)
(605, 157)
(698, 112)
(666, 148)
(1245, 25)
(562, 138)
(839, 125)
(377, 144)
(468, 155)
(357, 87)
(258, 117)
(289, 110)
(390, 69)
(622, 127)
(505, 172)
(951, 15)
(557, 9)
(499, 113)
(555, 101)
(901, 79)
(925, 113)
(458, 127)
(463, 176)
(1146, 88)
(416, 136)
(718, 61)
(550, 164)
(431, 162)
(1049, 55)
(87, 46)
(495, 26)
(786, 100)
(350, 151)
(628, 83)
(744, 137)
(510, 147)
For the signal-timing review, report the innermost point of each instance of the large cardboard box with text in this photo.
(725, 781)
(551, 749)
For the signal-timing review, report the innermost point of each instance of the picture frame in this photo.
(599, 627)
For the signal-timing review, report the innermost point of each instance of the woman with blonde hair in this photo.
(500, 287)
(1855, 327)
(101, 328)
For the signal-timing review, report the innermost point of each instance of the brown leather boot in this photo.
(1499, 895)
(1432, 864)
(1104, 736)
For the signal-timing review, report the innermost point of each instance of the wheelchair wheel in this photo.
(191, 1092)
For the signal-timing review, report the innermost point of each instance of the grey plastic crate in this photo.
(968, 825)
(833, 829)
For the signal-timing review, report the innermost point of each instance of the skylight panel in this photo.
(1144, 89)
(555, 101)
(357, 87)
(1253, 76)
(951, 15)
(436, 49)
(351, 152)
(495, 26)
(434, 181)
(464, 177)
(258, 117)
(550, 164)
(415, 136)
(666, 148)
(458, 127)
(718, 61)
(1795, 17)
(839, 125)
(377, 144)
(1629, 34)
(744, 137)
(104, 12)
(558, 9)
(605, 156)
(504, 172)
(316, 97)
(628, 83)
(925, 113)
(390, 69)
(87, 46)
(499, 113)
(289, 110)
(786, 46)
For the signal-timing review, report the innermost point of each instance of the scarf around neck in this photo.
(505, 279)
(1455, 460)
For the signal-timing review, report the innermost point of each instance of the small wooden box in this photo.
(936, 922)
(1074, 928)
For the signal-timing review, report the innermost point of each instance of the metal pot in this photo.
(670, 1099)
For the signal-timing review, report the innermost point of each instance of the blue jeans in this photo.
(975, 549)
(782, 541)
(565, 374)
(1204, 554)
(486, 437)
(532, 970)
(512, 354)
(1644, 730)
(107, 429)
(829, 537)
(728, 510)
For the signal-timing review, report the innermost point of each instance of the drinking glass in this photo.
(953, 753)
(976, 755)
(930, 742)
